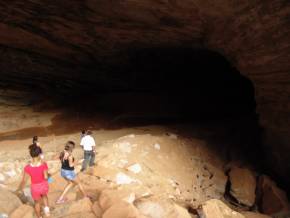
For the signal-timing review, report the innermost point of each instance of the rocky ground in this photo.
(164, 171)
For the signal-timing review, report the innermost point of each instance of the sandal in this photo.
(61, 201)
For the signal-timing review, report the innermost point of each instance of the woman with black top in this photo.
(67, 171)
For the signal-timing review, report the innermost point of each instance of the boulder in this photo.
(210, 182)
(271, 199)
(140, 191)
(81, 215)
(26, 196)
(81, 206)
(179, 212)
(110, 196)
(217, 209)
(103, 172)
(151, 209)
(248, 214)
(93, 183)
(8, 201)
(97, 210)
(123, 179)
(122, 209)
(243, 185)
(24, 211)
(156, 207)
(282, 215)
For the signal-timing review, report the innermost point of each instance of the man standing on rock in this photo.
(89, 146)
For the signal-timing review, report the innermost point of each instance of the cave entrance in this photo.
(166, 83)
(188, 84)
(195, 86)
(198, 87)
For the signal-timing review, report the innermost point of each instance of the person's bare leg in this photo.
(78, 183)
(45, 201)
(46, 207)
(37, 207)
(67, 188)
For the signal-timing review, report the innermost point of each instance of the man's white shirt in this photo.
(88, 143)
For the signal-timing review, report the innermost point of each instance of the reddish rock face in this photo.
(271, 199)
(243, 185)
(52, 44)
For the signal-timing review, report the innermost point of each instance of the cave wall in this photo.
(50, 44)
(255, 38)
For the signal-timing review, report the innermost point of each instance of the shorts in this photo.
(68, 174)
(38, 190)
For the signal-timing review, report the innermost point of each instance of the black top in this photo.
(65, 165)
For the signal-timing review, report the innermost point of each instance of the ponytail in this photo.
(35, 139)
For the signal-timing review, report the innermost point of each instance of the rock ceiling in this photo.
(52, 43)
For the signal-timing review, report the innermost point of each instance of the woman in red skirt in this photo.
(37, 170)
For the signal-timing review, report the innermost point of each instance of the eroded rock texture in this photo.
(55, 44)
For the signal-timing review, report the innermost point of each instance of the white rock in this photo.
(122, 163)
(151, 209)
(146, 194)
(125, 147)
(172, 182)
(2, 177)
(122, 179)
(157, 146)
(131, 198)
(215, 208)
(11, 173)
(135, 168)
(172, 136)
(27, 194)
(177, 191)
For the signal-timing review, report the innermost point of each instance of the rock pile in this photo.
(134, 178)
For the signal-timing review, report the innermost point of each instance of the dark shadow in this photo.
(161, 85)
(168, 83)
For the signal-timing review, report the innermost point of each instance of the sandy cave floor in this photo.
(168, 163)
